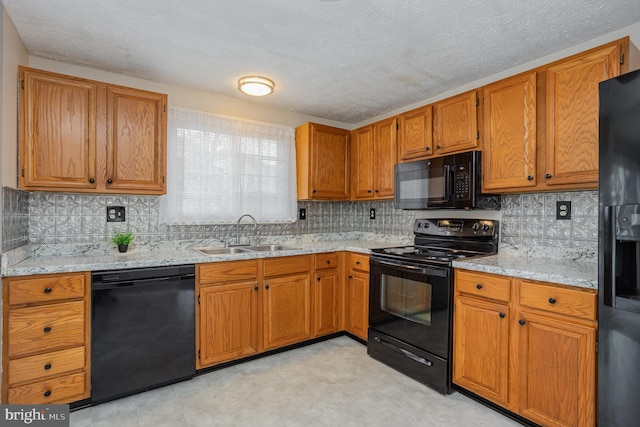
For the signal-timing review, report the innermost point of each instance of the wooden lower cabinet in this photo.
(46, 339)
(357, 296)
(325, 302)
(527, 346)
(286, 310)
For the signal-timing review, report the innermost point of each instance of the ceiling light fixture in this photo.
(256, 85)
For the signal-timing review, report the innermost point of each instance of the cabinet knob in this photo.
(357, 262)
(266, 286)
(350, 277)
(314, 190)
(91, 180)
(328, 261)
(47, 393)
(318, 278)
(47, 366)
(522, 321)
(109, 181)
(530, 178)
(47, 329)
(427, 148)
(438, 147)
(548, 176)
(255, 288)
(552, 300)
(502, 315)
(47, 290)
(369, 191)
(479, 286)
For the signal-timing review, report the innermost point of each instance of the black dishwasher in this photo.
(142, 329)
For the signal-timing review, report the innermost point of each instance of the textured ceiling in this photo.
(344, 60)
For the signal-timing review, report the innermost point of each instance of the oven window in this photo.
(406, 298)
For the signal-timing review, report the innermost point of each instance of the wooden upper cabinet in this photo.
(573, 113)
(57, 132)
(362, 169)
(373, 155)
(136, 140)
(509, 147)
(322, 162)
(415, 134)
(455, 123)
(85, 136)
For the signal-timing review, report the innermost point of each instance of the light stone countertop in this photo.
(583, 274)
(177, 256)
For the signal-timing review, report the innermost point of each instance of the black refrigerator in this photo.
(619, 253)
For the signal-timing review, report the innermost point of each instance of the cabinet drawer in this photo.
(46, 365)
(483, 285)
(287, 265)
(228, 271)
(36, 329)
(68, 388)
(46, 288)
(359, 262)
(328, 260)
(557, 299)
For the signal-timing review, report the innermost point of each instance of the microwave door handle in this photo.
(448, 181)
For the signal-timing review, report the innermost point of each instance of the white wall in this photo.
(633, 31)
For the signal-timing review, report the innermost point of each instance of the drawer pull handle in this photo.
(328, 262)
(47, 393)
(552, 300)
(47, 366)
(522, 322)
(47, 290)
(357, 262)
(47, 329)
(479, 286)
(502, 315)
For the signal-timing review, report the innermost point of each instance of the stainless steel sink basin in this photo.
(242, 249)
(222, 251)
(268, 248)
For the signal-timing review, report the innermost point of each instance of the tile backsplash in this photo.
(51, 218)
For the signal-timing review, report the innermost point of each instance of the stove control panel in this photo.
(455, 227)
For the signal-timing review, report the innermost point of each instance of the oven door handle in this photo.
(415, 269)
(404, 352)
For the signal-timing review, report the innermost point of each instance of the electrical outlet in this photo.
(372, 213)
(563, 210)
(115, 214)
(303, 214)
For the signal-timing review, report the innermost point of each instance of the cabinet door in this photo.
(415, 134)
(228, 322)
(455, 124)
(286, 310)
(136, 141)
(557, 368)
(358, 304)
(57, 132)
(509, 154)
(329, 165)
(385, 157)
(481, 347)
(573, 114)
(362, 179)
(325, 302)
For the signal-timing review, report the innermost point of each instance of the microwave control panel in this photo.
(462, 178)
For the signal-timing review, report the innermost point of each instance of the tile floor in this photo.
(332, 383)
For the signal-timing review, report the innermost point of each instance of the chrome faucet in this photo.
(255, 227)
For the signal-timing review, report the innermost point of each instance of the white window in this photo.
(219, 168)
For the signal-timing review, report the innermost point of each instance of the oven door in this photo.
(412, 304)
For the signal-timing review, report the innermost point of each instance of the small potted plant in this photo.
(123, 240)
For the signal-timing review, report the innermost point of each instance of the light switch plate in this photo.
(115, 214)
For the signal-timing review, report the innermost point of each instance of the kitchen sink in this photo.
(268, 248)
(243, 249)
(222, 251)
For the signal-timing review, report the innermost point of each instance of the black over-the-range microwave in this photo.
(452, 181)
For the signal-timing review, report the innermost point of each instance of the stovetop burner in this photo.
(444, 240)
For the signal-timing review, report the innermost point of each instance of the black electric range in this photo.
(411, 296)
